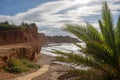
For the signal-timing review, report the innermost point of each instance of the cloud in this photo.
(53, 15)
(53, 31)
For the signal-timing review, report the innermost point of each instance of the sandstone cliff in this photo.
(19, 36)
(22, 43)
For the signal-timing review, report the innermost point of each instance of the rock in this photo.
(24, 43)
(5, 56)
(29, 34)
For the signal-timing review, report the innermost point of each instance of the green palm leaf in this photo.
(106, 26)
(88, 33)
(117, 35)
(102, 49)
(100, 52)
(75, 58)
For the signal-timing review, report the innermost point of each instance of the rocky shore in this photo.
(54, 70)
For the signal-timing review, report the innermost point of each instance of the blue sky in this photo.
(12, 7)
(51, 15)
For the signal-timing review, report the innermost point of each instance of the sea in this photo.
(65, 47)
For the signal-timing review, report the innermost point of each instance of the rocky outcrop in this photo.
(18, 36)
(25, 43)
(61, 39)
(29, 53)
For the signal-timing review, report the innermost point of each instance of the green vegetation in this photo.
(102, 51)
(29, 64)
(20, 65)
(6, 26)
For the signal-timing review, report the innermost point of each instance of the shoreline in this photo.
(52, 73)
(54, 69)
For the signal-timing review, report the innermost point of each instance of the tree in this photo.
(102, 51)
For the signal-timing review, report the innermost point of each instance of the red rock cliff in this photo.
(19, 36)
(24, 43)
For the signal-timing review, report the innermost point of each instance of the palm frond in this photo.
(106, 26)
(60, 52)
(102, 49)
(76, 59)
(117, 35)
(117, 41)
(88, 33)
(101, 52)
(94, 34)
(81, 47)
(75, 74)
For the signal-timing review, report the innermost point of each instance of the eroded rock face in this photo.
(29, 53)
(5, 56)
(25, 43)
(18, 36)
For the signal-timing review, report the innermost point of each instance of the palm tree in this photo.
(102, 51)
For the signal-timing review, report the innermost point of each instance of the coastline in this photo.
(54, 69)
(52, 73)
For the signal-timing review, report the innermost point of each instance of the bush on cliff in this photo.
(6, 26)
(29, 64)
(20, 65)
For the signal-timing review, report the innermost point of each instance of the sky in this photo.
(51, 15)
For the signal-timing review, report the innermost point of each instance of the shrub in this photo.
(6, 26)
(19, 65)
(29, 64)
(17, 69)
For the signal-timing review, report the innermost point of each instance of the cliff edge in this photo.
(20, 43)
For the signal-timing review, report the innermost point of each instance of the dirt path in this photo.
(53, 73)
(54, 69)
(50, 71)
(42, 70)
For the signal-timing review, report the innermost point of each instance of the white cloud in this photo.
(46, 14)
